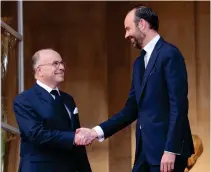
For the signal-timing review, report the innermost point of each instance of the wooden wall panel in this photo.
(118, 74)
(202, 26)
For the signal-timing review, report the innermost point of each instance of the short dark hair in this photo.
(146, 13)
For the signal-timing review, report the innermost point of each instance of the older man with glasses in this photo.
(48, 119)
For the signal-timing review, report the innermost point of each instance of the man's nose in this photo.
(61, 66)
(127, 35)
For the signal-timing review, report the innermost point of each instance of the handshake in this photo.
(84, 136)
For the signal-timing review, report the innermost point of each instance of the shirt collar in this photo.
(46, 87)
(151, 45)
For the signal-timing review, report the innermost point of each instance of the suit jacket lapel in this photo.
(150, 64)
(71, 108)
(67, 103)
(43, 94)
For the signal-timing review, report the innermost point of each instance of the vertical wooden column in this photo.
(10, 89)
(119, 81)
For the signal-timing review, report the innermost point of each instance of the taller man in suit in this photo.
(158, 99)
(47, 119)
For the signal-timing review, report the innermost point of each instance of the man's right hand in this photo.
(85, 136)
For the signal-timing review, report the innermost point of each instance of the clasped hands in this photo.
(84, 136)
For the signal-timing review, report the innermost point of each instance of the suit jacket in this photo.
(159, 103)
(47, 140)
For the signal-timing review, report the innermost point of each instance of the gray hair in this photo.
(35, 59)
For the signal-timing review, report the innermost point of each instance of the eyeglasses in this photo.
(54, 64)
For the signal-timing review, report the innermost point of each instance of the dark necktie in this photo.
(142, 64)
(61, 108)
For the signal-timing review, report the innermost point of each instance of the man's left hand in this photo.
(167, 162)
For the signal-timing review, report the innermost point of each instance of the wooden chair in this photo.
(198, 148)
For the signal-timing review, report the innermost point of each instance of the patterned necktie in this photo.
(61, 108)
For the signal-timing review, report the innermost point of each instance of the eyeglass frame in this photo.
(54, 64)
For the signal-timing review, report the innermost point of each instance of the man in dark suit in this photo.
(157, 99)
(47, 119)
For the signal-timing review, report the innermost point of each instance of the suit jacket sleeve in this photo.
(177, 87)
(122, 119)
(31, 126)
(81, 152)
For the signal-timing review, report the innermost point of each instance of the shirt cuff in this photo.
(173, 153)
(100, 133)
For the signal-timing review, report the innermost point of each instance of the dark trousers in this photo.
(179, 166)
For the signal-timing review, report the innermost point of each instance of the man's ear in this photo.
(141, 24)
(38, 70)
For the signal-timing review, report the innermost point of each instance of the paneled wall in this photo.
(90, 38)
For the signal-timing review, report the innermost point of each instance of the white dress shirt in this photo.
(148, 48)
(49, 89)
